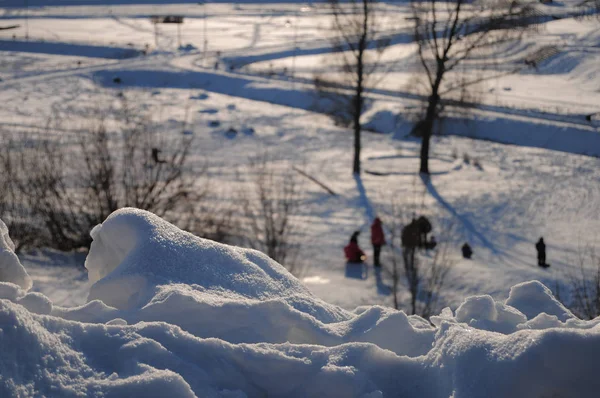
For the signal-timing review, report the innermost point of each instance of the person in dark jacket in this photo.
(155, 152)
(377, 239)
(352, 251)
(540, 246)
(467, 252)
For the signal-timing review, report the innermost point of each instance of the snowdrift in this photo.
(11, 269)
(170, 314)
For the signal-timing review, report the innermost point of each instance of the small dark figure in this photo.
(117, 80)
(217, 60)
(431, 244)
(155, 152)
(353, 253)
(410, 235)
(377, 239)
(424, 227)
(541, 253)
(467, 252)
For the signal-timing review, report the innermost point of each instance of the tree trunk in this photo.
(427, 126)
(356, 166)
(358, 97)
(426, 136)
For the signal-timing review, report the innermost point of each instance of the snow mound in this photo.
(484, 313)
(135, 251)
(142, 267)
(50, 356)
(174, 315)
(11, 269)
(533, 298)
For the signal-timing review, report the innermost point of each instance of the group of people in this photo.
(354, 254)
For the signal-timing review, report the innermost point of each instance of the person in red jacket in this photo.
(377, 239)
(352, 251)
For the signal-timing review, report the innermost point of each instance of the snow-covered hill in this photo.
(539, 186)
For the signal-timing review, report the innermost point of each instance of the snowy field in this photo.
(535, 178)
(539, 186)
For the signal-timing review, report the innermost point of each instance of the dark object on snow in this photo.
(155, 152)
(117, 80)
(410, 235)
(467, 252)
(352, 251)
(313, 179)
(431, 244)
(424, 227)
(540, 246)
(214, 123)
(415, 234)
(9, 27)
(231, 133)
(377, 239)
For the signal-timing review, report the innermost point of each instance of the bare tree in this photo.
(450, 34)
(271, 206)
(358, 45)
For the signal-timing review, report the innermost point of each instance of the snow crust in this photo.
(11, 269)
(170, 314)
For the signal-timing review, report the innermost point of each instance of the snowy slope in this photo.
(535, 187)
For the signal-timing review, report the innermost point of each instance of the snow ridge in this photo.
(171, 314)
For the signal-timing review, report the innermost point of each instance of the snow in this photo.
(534, 187)
(221, 334)
(11, 269)
(165, 313)
(533, 298)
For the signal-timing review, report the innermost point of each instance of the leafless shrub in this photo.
(15, 210)
(271, 206)
(434, 279)
(584, 285)
(424, 277)
(70, 184)
(214, 219)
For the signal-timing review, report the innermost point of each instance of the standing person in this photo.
(352, 251)
(541, 252)
(467, 252)
(377, 239)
